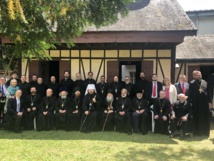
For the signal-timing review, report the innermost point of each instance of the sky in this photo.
(189, 5)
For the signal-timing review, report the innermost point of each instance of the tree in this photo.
(37, 25)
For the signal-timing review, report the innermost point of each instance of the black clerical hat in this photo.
(139, 91)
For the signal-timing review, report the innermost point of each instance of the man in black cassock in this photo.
(102, 89)
(141, 113)
(45, 120)
(128, 86)
(15, 107)
(141, 84)
(41, 87)
(75, 111)
(107, 118)
(89, 80)
(24, 86)
(90, 107)
(33, 81)
(201, 101)
(123, 116)
(116, 87)
(63, 105)
(181, 117)
(161, 109)
(31, 109)
(66, 84)
(54, 86)
(79, 83)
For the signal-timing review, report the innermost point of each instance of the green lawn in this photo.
(61, 145)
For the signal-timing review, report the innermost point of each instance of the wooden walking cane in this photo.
(85, 117)
(105, 122)
(107, 116)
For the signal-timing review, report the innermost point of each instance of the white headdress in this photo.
(90, 86)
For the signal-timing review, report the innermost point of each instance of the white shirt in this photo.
(18, 104)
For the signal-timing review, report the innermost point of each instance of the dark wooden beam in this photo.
(179, 73)
(162, 72)
(99, 69)
(173, 52)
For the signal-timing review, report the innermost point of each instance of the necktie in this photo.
(154, 90)
(183, 89)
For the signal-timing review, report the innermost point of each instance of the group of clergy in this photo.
(86, 106)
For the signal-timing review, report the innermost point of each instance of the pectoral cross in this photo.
(122, 106)
(200, 89)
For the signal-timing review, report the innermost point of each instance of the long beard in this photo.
(109, 99)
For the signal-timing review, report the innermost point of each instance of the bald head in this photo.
(49, 92)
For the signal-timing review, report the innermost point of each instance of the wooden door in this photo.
(112, 70)
(33, 68)
(147, 68)
(63, 66)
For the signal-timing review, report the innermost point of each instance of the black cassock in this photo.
(108, 118)
(25, 87)
(180, 110)
(200, 107)
(140, 121)
(161, 108)
(102, 90)
(55, 88)
(87, 82)
(61, 118)
(116, 88)
(89, 122)
(123, 122)
(28, 117)
(73, 119)
(129, 88)
(80, 84)
(41, 89)
(141, 85)
(66, 85)
(46, 122)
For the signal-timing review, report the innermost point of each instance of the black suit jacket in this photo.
(149, 90)
(179, 89)
(11, 108)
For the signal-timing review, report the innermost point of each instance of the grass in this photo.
(61, 145)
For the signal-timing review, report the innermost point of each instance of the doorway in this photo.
(206, 72)
(131, 69)
(48, 69)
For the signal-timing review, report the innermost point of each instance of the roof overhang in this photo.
(128, 37)
(135, 37)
